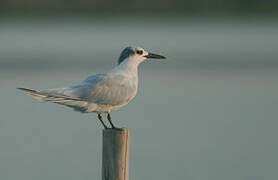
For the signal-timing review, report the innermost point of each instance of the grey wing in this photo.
(109, 89)
(80, 91)
(105, 89)
(64, 96)
(75, 97)
(84, 90)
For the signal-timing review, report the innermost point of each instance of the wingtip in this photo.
(25, 89)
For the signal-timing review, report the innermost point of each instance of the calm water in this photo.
(209, 112)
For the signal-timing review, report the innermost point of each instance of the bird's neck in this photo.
(130, 69)
(129, 65)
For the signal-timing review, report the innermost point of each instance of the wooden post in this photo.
(115, 154)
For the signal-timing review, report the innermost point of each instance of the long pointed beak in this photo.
(155, 56)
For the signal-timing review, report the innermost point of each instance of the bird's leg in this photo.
(110, 121)
(100, 118)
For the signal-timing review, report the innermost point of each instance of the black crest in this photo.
(125, 54)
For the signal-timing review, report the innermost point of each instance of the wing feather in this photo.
(110, 89)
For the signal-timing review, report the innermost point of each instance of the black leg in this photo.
(100, 118)
(110, 121)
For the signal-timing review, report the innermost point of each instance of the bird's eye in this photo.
(139, 52)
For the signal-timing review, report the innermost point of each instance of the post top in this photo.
(115, 130)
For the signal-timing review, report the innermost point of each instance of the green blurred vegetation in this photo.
(60, 7)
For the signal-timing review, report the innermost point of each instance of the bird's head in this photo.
(137, 54)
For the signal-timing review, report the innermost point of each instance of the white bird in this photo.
(101, 93)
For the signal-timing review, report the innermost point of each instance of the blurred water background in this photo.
(209, 112)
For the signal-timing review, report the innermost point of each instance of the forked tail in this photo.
(53, 96)
(35, 94)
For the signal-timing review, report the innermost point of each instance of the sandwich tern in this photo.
(104, 92)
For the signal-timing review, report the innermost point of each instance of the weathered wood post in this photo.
(115, 154)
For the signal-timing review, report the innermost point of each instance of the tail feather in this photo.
(27, 90)
(48, 96)
(76, 103)
(35, 94)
